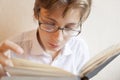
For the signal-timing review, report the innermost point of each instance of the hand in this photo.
(5, 46)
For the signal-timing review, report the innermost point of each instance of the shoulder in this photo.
(24, 36)
(79, 52)
(25, 39)
(80, 49)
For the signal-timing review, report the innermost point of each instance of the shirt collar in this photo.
(66, 50)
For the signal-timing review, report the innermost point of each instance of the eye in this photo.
(46, 21)
(71, 26)
(49, 23)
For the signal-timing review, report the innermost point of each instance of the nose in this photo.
(59, 35)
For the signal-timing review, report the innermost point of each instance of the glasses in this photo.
(51, 28)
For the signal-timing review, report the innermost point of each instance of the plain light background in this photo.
(101, 29)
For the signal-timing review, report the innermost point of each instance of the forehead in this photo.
(59, 13)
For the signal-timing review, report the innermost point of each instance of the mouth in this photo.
(53, 45)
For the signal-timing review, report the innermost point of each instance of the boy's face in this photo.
(55, 41)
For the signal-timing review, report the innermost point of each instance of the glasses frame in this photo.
(59, 28)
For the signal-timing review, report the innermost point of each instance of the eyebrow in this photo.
(51, 19)
(56, 21)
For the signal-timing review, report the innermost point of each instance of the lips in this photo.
(54, 45)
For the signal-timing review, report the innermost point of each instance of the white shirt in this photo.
(72, 57)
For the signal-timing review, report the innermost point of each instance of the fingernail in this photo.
(21, 51)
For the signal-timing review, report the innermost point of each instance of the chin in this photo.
(53, 49)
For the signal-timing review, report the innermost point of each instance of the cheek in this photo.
(66, 39)
(43, 36)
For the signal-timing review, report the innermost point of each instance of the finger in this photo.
(5, 61)
(12, 46)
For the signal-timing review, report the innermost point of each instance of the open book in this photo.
(26, 68)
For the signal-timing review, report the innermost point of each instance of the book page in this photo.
(24, 67)
(101, 60)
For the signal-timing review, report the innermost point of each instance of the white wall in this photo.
(100, 30)
(15, 16)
